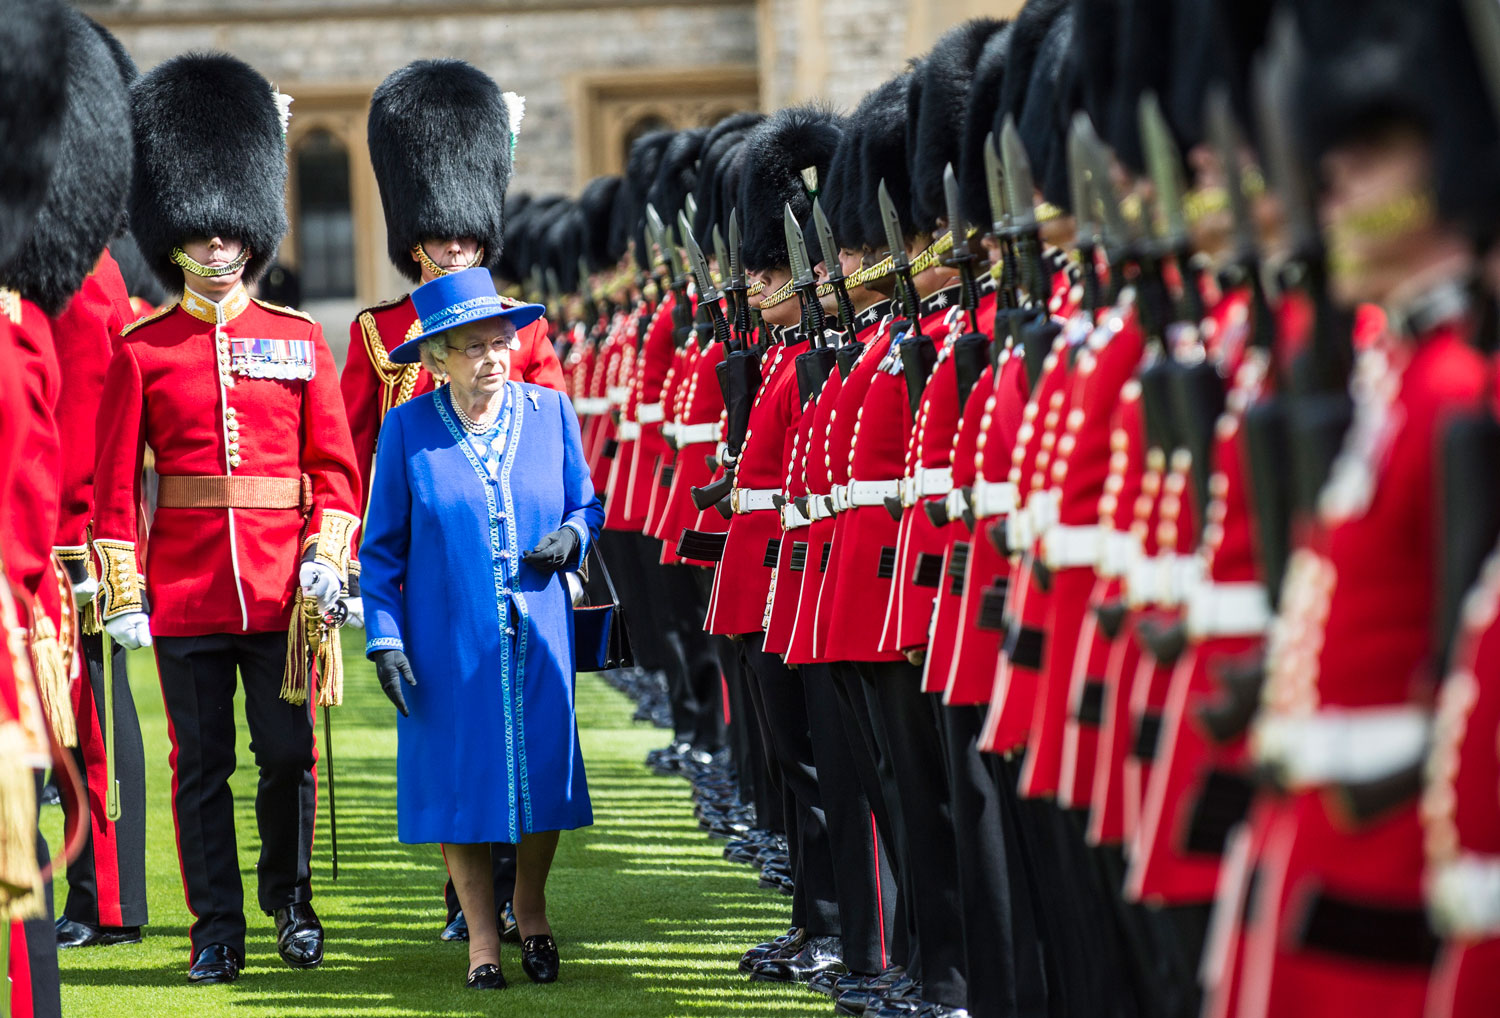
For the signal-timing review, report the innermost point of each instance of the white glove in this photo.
(85, 592)
(131, 630)
(356, 609)
(320, 583)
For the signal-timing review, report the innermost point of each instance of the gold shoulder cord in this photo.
(399, 381)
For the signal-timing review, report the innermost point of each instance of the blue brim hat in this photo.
(458, 299)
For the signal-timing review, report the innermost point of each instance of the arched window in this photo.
(325, 220)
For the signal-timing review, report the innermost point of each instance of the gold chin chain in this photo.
(185, 261)
(434, 269)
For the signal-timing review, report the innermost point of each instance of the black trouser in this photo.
(1004, 955)
(40, 950)
(851, 832)
(198, 682)
(693, 682)
(782, 707)
(503, 865)
(741, 731)
(107, 881)
(910, 740)
(852, 699)
(634, 572)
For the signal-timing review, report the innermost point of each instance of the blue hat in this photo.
(458, 299)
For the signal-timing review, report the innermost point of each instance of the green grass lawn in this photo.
(649, 918)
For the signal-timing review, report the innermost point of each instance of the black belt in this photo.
(957, 566)
(1222, 804)
(928, 571)
(992, 607)
(701, 545)
(1091, 704)
(1147, 736)
(1024, 646)
(1385, 934)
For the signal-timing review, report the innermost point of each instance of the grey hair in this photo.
(433, 347)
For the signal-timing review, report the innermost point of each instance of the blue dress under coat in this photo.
(490, 751)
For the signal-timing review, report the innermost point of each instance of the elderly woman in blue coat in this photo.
(481, 500)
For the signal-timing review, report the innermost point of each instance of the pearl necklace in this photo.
(472, 426)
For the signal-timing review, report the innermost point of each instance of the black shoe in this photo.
(457, 928)
(299, 936)
(509, 931)
(50, 795)
(71, 933)
(216, 963)
(539, 958)
(828, 983)
(486, 977)
(791, 941)
(942, 1011)
(819, 954)
(893, 988)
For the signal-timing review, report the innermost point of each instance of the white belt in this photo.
(694, 434)
(628, 431)
(752, 500)
(650, 413)
(926, 481)
(1165, 580)
(618, 395)
(956, 504)
(840, 495)
(993, 498)
(791, 516)
(1463, 897)
(818, 508)
(1068, 547)
(1043, 508)
(1343, 745)
(1117, 550)
(1228, 609)
(591, 406)
(669, 430)
(863, 493)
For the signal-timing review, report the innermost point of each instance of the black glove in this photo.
(391, 667)
(554, 551)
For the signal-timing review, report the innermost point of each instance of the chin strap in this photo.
(433, 268)
(184, 261)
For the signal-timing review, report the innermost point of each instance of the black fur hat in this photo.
(210, 159)
(978, 121)
(722, 139)
(641, 164)
(936, 133)
(1040, 123)
(123, 60)
(786, 162)
(677, 175)
(596, 206)
(440, 137)
(882, 156)
(85, 198)
(1027, 34)
(1139, 68)
(841, 191)
(33, 45)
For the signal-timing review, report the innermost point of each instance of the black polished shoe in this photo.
(819, 954)
(216, 963)
(539, 958)
(509, 931)
(71, 933)
(299, 936)
(894, 990)
(456, 930)
(942, 1011)
(828, 982)
(791, 941)
(486, 977)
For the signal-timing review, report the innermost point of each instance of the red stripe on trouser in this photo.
(176, 823)
(19, 969)
(103, 844)
(879, 894)
(724, 698)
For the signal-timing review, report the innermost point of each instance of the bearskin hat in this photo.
(1139, 68)
(722, 140)
(641, 164)
(1041, 119)
(935, 133)
(440, 135)
(122, 58)
(85, 197)
(1027, 34)
(596, 205)
(882, 156)
(210, 160)
(786, 161)
(33, 45)
(978, 121)
(677, 175)
(840, 197)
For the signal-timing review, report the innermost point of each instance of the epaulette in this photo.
(161, 312)
(393, 302)
(278, 309)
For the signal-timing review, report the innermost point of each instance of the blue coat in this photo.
(490, 751)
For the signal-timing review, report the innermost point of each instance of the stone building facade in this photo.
(595, 75)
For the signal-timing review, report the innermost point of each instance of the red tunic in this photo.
(661, 479)
(198, 406)
(742, 580)
(630, 482)
(791, 558)
(818, 482)
(699, 430)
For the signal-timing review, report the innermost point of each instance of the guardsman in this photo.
(258, 500)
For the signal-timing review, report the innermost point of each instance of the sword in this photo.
(112, 808)
(891, 221)
(319, 625)
(962, 254)
(830, 250)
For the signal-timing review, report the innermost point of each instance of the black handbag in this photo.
(600, 640)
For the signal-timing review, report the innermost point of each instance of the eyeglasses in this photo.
(498, 345)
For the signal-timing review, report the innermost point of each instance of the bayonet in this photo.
(690, 206)
(1274, 103)
(1081, 189)
(655, 239)
(721, 254)
(708, 294)
(962, 254)
(1484, 28)
(994, 180)
(1020, 199)
(891, 221)
(835, 270)
(737, 287)
(803, 278)
(1224, 134)
(1164, 163)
